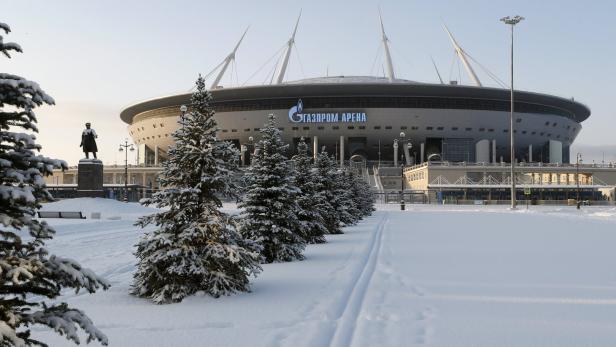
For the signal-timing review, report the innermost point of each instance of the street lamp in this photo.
(402, 142)
(250, 149)
(125, 147)
(578, 160)
(183, 110)
(512, 22)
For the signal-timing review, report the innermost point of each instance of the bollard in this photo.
(402, 205)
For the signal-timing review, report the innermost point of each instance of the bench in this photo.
(57, 214)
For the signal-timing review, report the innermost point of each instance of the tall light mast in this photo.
(225, 63)
(390, 66)
(287, 53)
(462, 55)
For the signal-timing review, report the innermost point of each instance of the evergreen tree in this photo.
(28, 273)
(196, 247)
(332, 189)
(311, 199)
(362, 195)
(346, 187)
(270, 204)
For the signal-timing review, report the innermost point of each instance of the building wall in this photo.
(153, 128)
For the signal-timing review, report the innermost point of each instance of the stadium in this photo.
(362, 117)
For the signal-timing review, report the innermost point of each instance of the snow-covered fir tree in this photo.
(345, 186)
(28, 273)
(311, 199)
(336, 208)
(362, 195)
(270, 206)
(195, 246)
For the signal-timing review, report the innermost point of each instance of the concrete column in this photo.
(341, 150)
(407, 155)
(482, 151)
(144, 178)
(315, 147)
(156, 155)
(530, 153)
(243, 150)
(422, 149)
(556, 152)
(494, 151)
(396, 153)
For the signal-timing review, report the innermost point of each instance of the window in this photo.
(541, 133)
(482, 129)
(225, 130)
(350, 127)
(388, 127)
(162, 125)
(153, 125)
(440, 128)
(377, 127)
(233, 130)
(429, 128)
(281, 129)
(257, 129)
(454, 128)
(247, 130)
(321, 128)
(518, 120)
(468, 129)
(523, 131)
(554, 124)
(547, 123)
(414, 128)
(305, 128)
(362, 127)
(533, 133)
(403, 127)
(295, 128)
(490, 130)
(505, 130)
(166, 135)
(335, 127)
(558, 137)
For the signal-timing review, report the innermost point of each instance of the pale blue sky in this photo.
(95, 57)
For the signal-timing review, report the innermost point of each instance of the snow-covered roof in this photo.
(350, 79)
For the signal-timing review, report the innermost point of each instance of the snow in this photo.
(431, 275)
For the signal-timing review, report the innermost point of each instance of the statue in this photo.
(88, 141)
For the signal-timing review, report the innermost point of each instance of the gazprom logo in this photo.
(295, 112)
(297, 115)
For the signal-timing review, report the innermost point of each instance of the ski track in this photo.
(356, 294)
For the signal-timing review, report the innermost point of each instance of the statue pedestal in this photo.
(90, 179)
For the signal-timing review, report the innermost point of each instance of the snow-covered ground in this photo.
(431, 275)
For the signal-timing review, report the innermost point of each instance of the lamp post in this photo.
(512, 22)
(578, 159)
(250, 150)
(402, 142)
(183, 110)
(125, 147)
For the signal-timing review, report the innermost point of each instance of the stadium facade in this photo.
(361, 117)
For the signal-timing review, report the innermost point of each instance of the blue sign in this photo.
(297, 115)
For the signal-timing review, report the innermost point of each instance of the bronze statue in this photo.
(88, 141)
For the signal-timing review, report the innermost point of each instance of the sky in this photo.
(97, 57)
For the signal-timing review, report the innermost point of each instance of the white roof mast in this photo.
(390, 66)
(462, 55)
(287, 53)
(225, 63)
